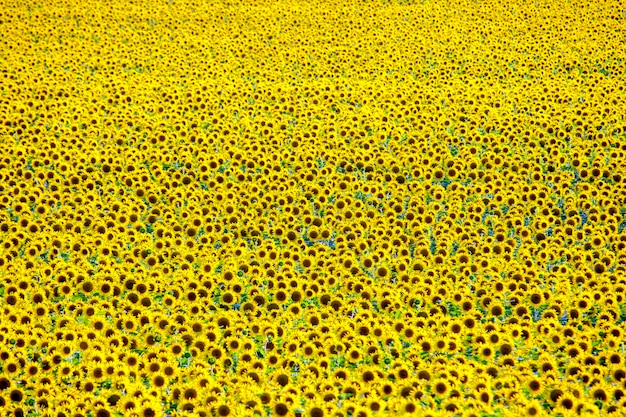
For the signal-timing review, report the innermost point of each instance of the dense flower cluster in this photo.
(290, 208)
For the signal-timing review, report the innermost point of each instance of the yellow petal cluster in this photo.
(312, 208)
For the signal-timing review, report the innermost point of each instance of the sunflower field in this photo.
(312, 208)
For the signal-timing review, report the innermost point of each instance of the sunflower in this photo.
(316, 410)
(533, 408)
(567, 403)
